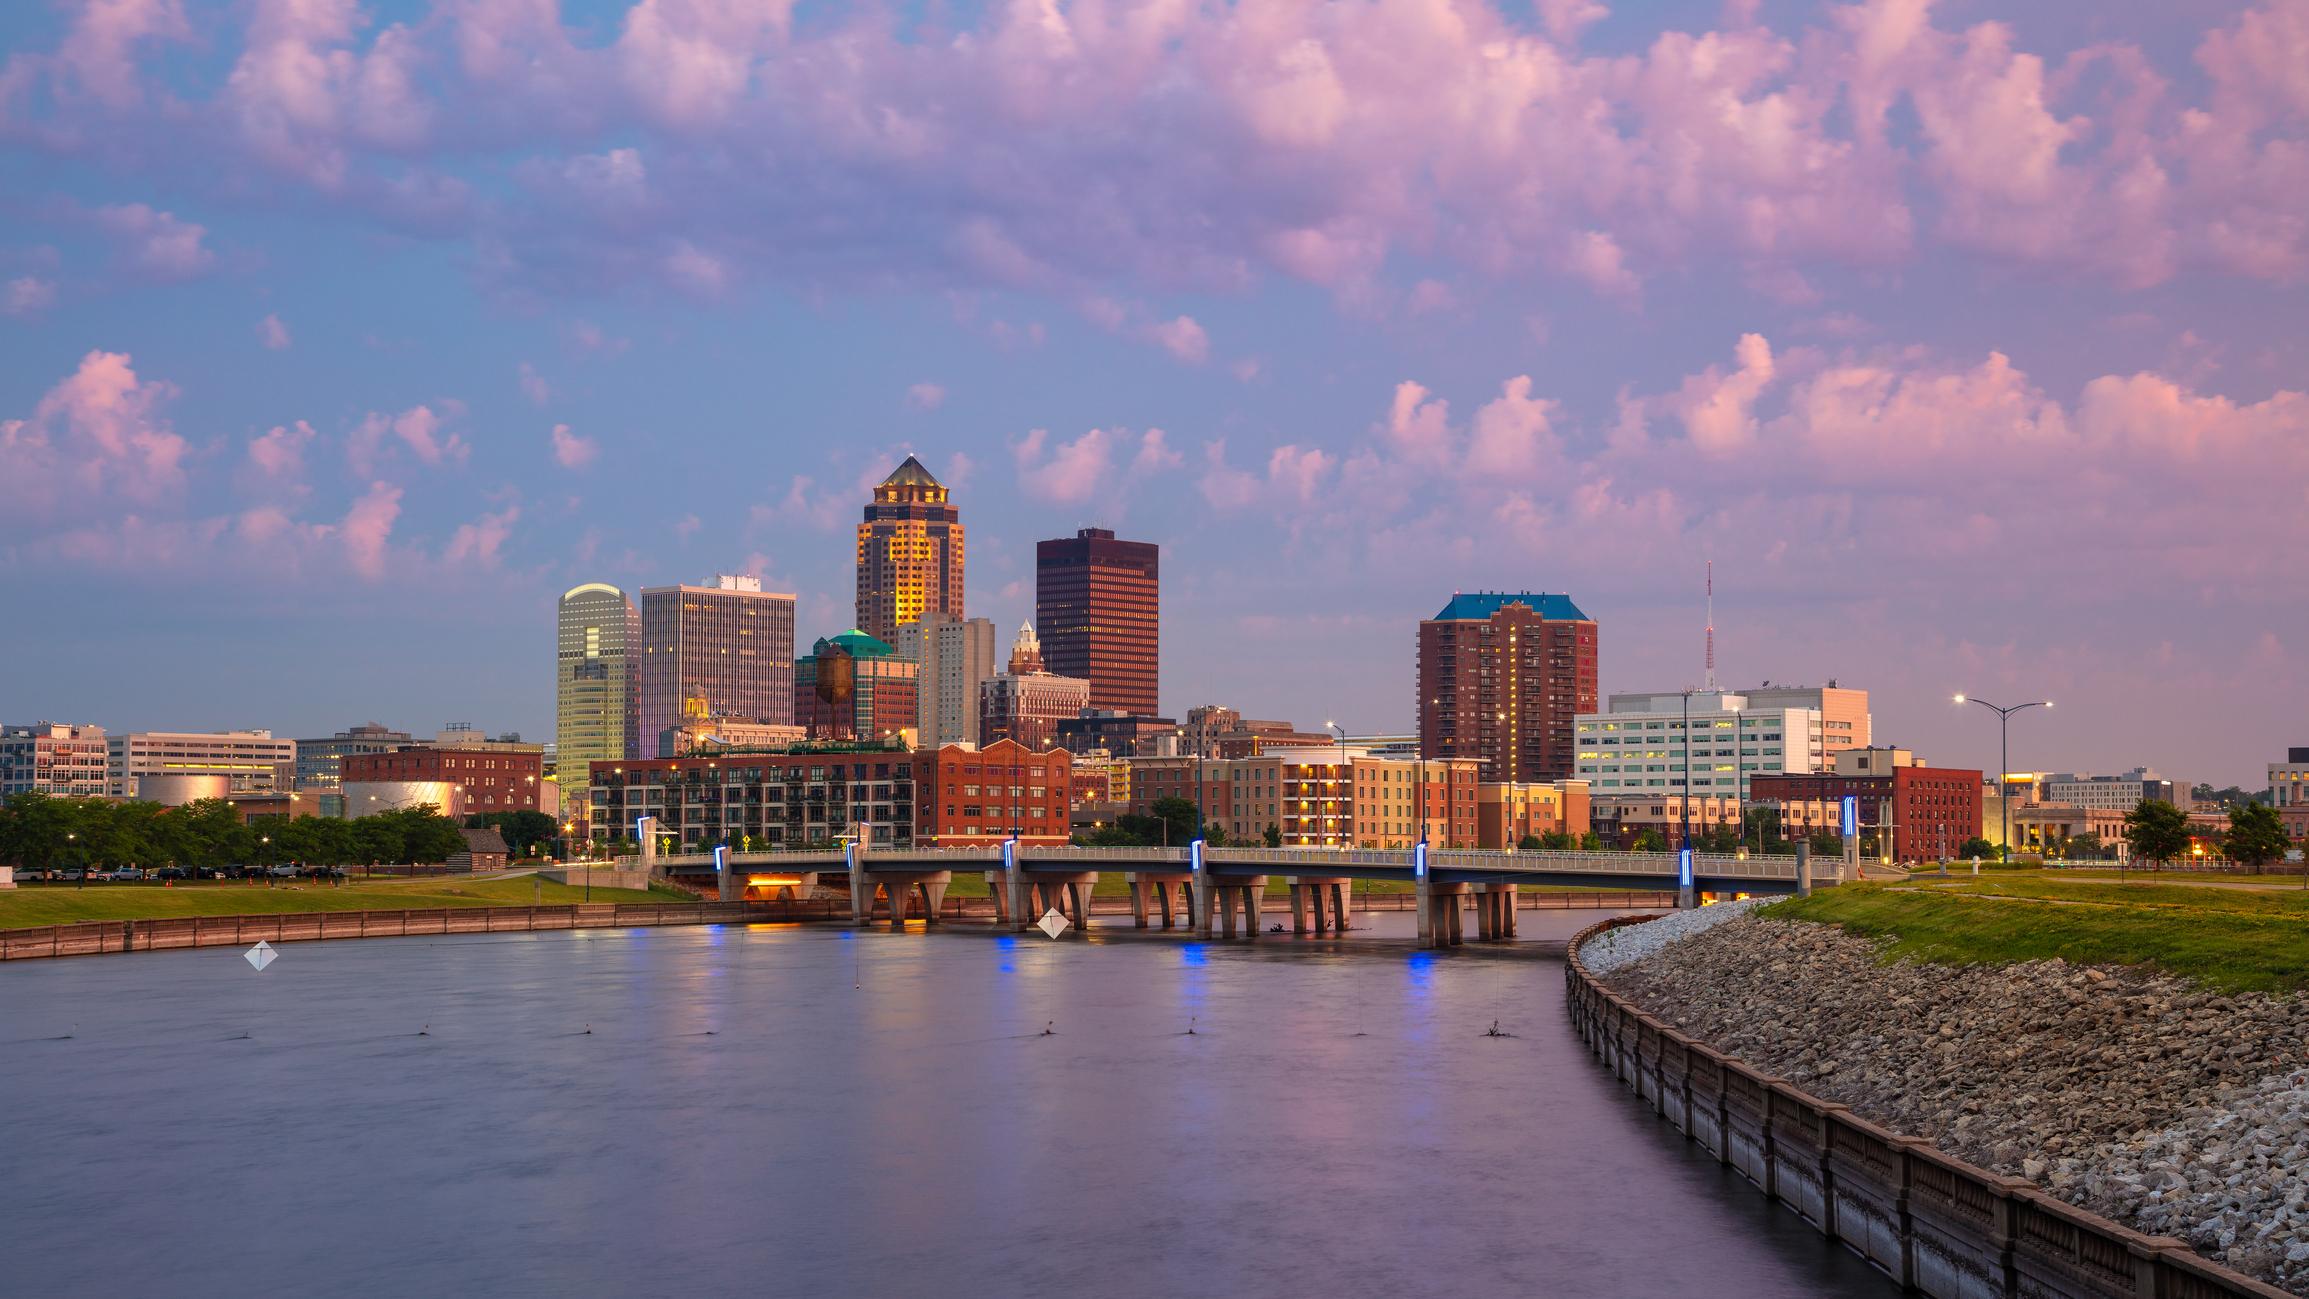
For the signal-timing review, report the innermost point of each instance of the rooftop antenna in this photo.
(1711, 625)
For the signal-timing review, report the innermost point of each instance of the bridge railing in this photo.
(1140, 855)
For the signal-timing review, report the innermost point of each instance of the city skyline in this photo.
(1950, 406)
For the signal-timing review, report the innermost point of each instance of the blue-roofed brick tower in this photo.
(1501, 676)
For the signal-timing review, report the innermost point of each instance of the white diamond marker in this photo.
(261, 955)
(1053, 923)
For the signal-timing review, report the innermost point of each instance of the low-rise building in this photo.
(855, 688)
(1707, 744)
(1125, 735)
(1506, 814)
(54, 759)
(973, 797)
(249, 761)
(317, 760)
(2289, 790)
(1931, 811)
(2119, 793)
(470, 781)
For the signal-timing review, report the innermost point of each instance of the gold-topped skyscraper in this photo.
(909, 553)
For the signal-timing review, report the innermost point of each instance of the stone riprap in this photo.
(2176, 1110)
(1614, 948)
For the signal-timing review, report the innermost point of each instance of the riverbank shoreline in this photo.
(1935, 1223)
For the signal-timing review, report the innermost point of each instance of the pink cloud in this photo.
(571, 451)
(27, 295)
(477, 543)
(1065, 473)
(99, 435)
(272, 333)
(279, 453)
(1182, 338)
(367, 529)
(533, 385)
(157, 243)
(925, 396)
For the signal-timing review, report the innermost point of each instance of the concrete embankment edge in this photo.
(93, 937)
(1936, 1224)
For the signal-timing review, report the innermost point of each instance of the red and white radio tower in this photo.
(1711, 624)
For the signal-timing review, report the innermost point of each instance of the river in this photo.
(812, 1111)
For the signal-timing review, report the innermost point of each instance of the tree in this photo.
(1556, 841)
(1214, 835)
(1591, 842)
(1529, 843)
(1274, 835)
(1182, 817)
(1764, 827)
(526, 833)
(1648, 840)
(1826, 843)
(2157, 831)
(1977, 847)
(2255, 834)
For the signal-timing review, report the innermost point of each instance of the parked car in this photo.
(283, 872)
(125, 874)
(321, 873)
(209, 873)
(170, 873)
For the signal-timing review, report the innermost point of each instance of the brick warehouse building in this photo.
(1501, 678)
(476, 780)
(922, 798)
(1933, 809)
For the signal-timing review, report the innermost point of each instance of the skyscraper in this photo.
(731, 643)
(1097, 610)
(1501, 678)
(954, 658)
(909, 553)
(1027, 702)
(597, 681)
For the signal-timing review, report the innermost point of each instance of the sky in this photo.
(1968, 340)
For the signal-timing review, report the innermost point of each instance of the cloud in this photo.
(1071, 472)
(1043, 145)
(272, 333)
(98, 437)
(1182, 338)
(156, 243)
(1294, 475)
(925, 396)
(367, 529)
(533, 385)
(476, 544)
(27, 295)
(419, 428)
(1155, 455)
(279, 453)
(571, 451)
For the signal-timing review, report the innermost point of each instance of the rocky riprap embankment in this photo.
(2155, 1102)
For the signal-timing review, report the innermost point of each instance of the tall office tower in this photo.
(597, 680)
(731, 644)
(1096, 607)
(953, 658)
(1502, 678)
(909, 553)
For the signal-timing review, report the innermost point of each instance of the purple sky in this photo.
(1968, 339)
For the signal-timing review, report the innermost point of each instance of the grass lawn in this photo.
(55, 904)
(2226, 939)
(2165, 893)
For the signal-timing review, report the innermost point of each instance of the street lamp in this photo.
(2004, 756)
(1687, 798)
(1345, 803)
(71, 838)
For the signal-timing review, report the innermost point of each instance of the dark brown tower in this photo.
(1097, 609)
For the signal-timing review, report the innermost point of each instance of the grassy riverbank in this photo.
(55, 904)
(2231, 939)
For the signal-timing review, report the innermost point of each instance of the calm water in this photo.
(812, 1112)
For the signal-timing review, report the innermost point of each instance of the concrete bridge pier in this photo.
(1439, 913)
(739, 886)
(1226, 896)
(1326, 898)
(1495, 912)
(923, 889)
(1154, 887)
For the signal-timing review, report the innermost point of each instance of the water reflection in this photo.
(792, 1110)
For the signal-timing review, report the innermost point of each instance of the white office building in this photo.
(2120, 793)
(1640, 745)
(953, 657)
(246, 762)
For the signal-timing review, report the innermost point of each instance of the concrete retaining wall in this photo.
(1938, 1225)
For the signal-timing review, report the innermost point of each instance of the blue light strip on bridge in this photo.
(1684, 867)
(721, 859)
(1419, 860)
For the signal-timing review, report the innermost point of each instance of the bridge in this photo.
(1208, 889)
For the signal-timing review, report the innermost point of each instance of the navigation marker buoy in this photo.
(260, 955)
(1053, 923)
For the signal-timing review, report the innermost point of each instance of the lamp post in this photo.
(2004, 757)
(72, 850)
(1346, 796)
(1686, 801)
